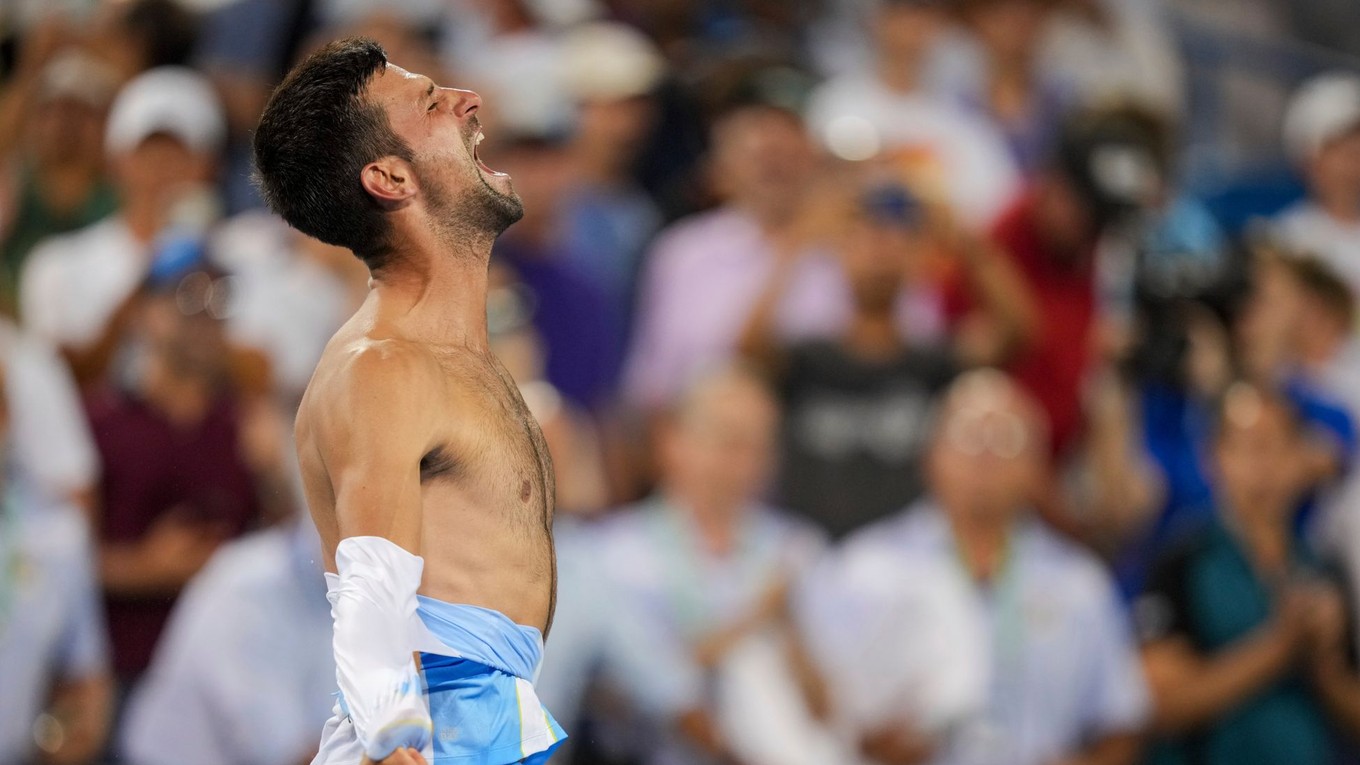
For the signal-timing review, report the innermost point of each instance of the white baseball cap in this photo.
(608, 61)
(171, 99)
(1322, 109)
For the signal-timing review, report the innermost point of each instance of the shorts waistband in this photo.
(482, 635)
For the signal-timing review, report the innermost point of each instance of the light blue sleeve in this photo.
(84, 648)
(647, 658)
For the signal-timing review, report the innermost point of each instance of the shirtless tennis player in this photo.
(426, 476)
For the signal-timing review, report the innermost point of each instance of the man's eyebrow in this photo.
(430, 90)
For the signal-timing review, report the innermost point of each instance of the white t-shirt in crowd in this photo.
(244, 671)
(284, 304)
(71, 284)
(940, 149)
(53, 450)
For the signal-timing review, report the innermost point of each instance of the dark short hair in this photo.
(1323, 284)
(315, 137)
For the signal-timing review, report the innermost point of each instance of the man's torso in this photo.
(486, 480)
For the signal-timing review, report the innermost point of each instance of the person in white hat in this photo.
(1322, 137)
(164, 132)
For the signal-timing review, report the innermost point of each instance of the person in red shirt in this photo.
(1108, 165)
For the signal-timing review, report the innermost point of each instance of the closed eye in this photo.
(432, 106)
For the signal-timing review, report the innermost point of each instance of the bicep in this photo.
(370, 441)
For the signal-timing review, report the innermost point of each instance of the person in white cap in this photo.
(1322, 137)
(163, 135)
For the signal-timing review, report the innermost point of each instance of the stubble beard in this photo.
(478, 212)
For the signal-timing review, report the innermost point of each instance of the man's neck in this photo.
(716, 524)
(982, 543)
(437, 291)
(873, 336)
(1266, 543)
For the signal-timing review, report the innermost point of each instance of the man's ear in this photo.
(389, 180)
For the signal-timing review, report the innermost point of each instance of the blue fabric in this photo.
(475, 698)
(476, 713)
(484, 636)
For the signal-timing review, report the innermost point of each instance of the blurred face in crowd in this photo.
(160, 168)
(906, 28)
(719, 448)
(987, 455)
(616, 126)
(1065, 220)
(1009, 29)
(1334, 173)
(762, 157)
(183, 328)
(876, 256)
(65, 131)
(1258, 456)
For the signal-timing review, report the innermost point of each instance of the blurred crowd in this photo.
(971, 382)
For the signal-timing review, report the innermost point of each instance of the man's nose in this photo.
(465, 102)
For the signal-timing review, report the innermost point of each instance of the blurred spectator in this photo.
(52, 168)
(702, 565)
(763, 163)
(163, 134)
(259, 610)
(205, 466)
(56, 697)
(1108, 165)
(945, 152)
(53, 453)
(1108, 48)
(1245, 649)
(140, 35)
(582, 332)
(1005, 84)
(857, 406)
(289, 294)
(1063, 680)
(605, 217)
(1322, 137)
(244, 47)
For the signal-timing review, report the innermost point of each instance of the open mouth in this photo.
(477, 139)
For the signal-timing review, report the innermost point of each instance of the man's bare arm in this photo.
(368, 423)
(372, 426)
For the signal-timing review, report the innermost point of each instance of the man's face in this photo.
(876, 257)
(987, 430)
(1257, 455)
(1334, 173)
(762, 152)
(724, 445)
(440, 126)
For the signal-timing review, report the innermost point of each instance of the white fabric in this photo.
(373, 605)
(945, 150)
(284, 304)
(1307, 230)
(53, 450)
(175, 100)
(896, 635)
(761, 713)
(71, 284)
(1063, 670)
(243, 673)
(54, 629)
